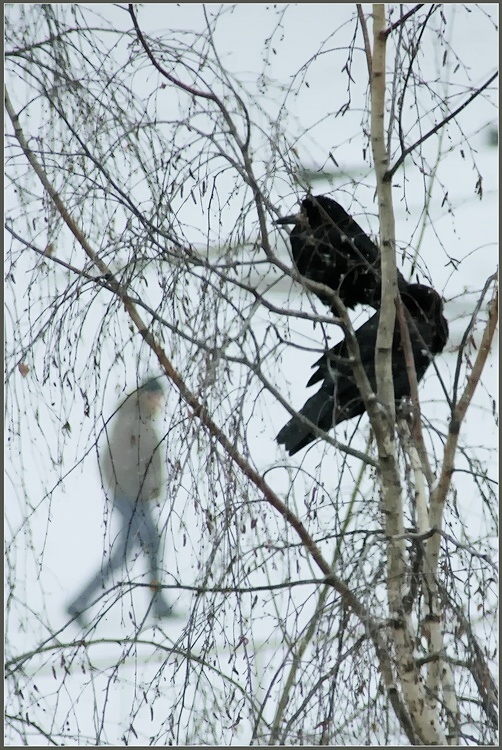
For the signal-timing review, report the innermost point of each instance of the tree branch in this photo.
(412, 378)
(403, 19)
(424, 720)
(438, 498)
(366, 38)
(391, 172)
(371, 626)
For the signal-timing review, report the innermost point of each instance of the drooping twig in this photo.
(200, 412)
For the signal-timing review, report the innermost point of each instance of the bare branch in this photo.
(397, 24)
(366, 38)
(391, 172)
(465, 336)
(439, 496)
(201, 413)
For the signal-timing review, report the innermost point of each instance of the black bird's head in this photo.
(314, 254)
(319, 210)
(299, 219)
(315, 211)
(301, 237)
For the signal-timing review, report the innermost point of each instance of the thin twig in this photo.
(199, 411)
(465, 336)
(457, 417)
(403, 19)
(391, 172)
(412, 379)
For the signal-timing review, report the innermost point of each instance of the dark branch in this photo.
(403, 19)
(391, 172)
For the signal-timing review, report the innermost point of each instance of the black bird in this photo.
(330, 247)
(338, 398)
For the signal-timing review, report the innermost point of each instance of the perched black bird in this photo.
(338, 398)
(330, 247)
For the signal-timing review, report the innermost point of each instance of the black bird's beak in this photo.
(291, 219)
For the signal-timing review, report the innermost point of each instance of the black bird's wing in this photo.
(328, 246)
(339, 398)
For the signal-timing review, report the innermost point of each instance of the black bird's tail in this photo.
(295, 435)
